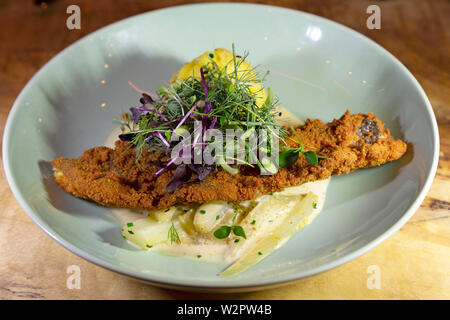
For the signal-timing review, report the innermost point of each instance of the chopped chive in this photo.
(199, 256)
(253, 222)
(129, 224)
(236, 240)
(202, 211)
(217, 217)
(315, 205)
(130, 232)
(260, 253)
(148, 246)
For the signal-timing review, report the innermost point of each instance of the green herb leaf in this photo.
(173, 235)
(222, 232)
(161, 91)
(129, 224)
(311, 157)
(239, 231)
(288, 158)
(270, 98)
(202, 211)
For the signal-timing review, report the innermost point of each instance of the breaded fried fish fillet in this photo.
(111, 177)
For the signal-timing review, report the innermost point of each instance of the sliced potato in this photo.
(147, 232)
(210, 214)
(296, 219)
(266, 215)
(164, 215)
(186, 222)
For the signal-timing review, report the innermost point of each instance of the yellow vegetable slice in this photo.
(164, 215)
(186, 222)
(148, 232)
(297, 218)
(223, 58)
(208, 215)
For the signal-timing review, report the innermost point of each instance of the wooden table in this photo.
(414, 263)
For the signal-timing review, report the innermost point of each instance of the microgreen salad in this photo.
(224, 95)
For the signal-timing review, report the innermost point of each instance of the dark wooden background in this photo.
(416, 260)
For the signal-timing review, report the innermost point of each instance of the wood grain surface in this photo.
(414, 263)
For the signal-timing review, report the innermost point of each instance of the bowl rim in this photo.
(186, 284)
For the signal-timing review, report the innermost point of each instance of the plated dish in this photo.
(66, 109)
(242, 179)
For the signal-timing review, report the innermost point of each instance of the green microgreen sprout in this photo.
(288, 157)
(224, 231)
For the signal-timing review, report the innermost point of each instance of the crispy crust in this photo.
(112, 178)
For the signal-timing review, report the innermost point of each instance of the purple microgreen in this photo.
(185, 117)
(200, 171)
(182, 175)
(137, 112)
(166, 166)
(162, 139)
(127, 136)
(146, 99)
(208, 106)
(213, 123)
(205, 88)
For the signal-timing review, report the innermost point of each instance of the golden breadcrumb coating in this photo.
(111, 177)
